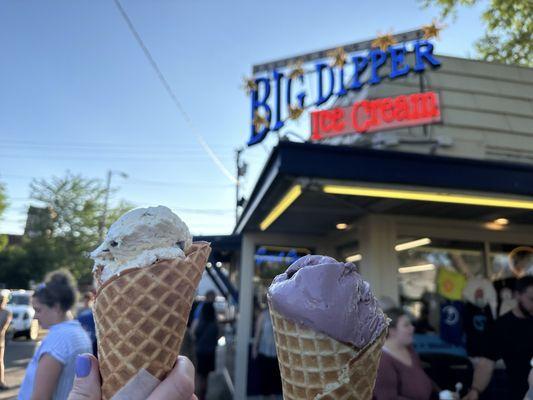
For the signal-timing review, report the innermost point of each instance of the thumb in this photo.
(87, 382)
(178, 385)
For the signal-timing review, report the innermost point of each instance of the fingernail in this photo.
(83, 366)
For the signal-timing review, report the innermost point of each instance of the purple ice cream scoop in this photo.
(330, 297)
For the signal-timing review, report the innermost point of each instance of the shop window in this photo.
(274, 260)
(509, 261)
(349, 252)
(270, 261)
(422, 260)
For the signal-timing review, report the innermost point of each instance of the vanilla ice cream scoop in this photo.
(330, 297)
(140, 238)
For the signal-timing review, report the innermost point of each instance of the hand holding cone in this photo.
(141, 316)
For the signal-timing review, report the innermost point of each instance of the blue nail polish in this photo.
(83, 366)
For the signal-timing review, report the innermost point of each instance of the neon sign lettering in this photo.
(376, 115)
(274, 96)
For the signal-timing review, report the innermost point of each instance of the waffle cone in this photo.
(141, 316)
(315, 366)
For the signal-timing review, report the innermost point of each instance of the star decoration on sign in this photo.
(259, 121)
(297, 70)
(249, 85)
(432, 30)
(295, 112)
(384, 41)
(339, 57)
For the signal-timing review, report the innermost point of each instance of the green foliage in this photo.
(509, 28)
(15, 267)
(63, 233)
(3, 201)
(4, 240)
(30, 260)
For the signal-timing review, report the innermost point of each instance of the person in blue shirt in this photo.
(50, 373)
(86, 319)
(210, 297)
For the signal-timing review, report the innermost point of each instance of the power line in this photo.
(206, 211)
(135, 181)
(105, 146)
(170, 183)
(169, 90)
(151, 158)
(202, 211)
(97, 144)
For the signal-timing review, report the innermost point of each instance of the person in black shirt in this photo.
(510, 339)
(477, 322)
(206, 335)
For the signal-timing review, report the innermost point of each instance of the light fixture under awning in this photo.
(354, 258)
(440, 197)
(412, 244)
(283, 204)
(416, 268)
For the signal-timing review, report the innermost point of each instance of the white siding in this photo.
(487, 110)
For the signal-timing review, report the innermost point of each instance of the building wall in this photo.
(487, 112)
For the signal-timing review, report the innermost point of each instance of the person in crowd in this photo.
(50, 373)
(88, 302)
(400, 374)
(188, 348)
(206, 335)
(178, 385)
(264, 351)
(529, 394)
(5, 320)
(509, 339)
(210, 297)
(86, 318)
(422, 325)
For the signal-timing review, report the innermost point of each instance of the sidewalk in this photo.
(19, 352)
(18, 355)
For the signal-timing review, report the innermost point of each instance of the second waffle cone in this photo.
(315, 366)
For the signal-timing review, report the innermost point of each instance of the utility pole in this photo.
(104, 213)
(241, 171)
(101, 226)
(237, 184)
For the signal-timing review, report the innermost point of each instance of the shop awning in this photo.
(306, 187)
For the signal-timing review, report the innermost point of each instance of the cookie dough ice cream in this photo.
(147, 272)
(138, 239)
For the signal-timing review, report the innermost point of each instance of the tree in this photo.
(76, 205)
(31, 260)
(3, 201)
(509, 28)
(3, 206)
(4, 240)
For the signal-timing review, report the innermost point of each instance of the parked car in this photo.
(23, 323)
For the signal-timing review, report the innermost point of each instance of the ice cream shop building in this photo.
(415, 166)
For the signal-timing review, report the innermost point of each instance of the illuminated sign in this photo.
(271, 261)
(376, 115)
(282, 94)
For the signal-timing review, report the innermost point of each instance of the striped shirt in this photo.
(64, 342)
